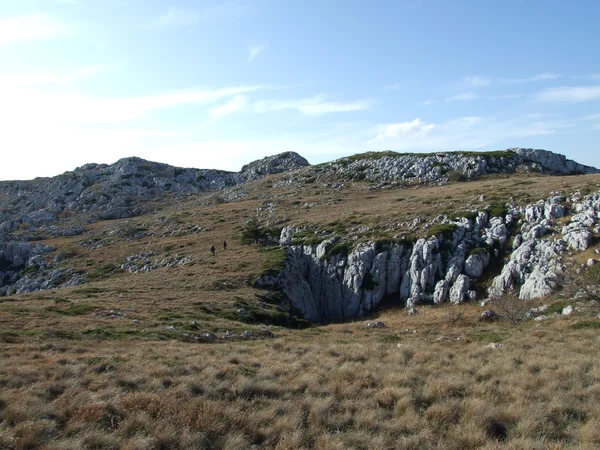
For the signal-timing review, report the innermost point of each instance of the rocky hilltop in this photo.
(121, 189)
(326, 275)
(385, 167)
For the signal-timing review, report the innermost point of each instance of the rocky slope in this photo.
(334, 278)
(121, 189)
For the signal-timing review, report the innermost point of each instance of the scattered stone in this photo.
(567, 310)
(494, 346)
(489, 315)
(377, 324)
(267, 333)
(209, 336)
(247, 335)
(111, 313)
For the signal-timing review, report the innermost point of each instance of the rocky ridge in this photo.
(332, 280)
(392, 167)
(119, 190)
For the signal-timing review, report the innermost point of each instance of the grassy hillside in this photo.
(141, 361)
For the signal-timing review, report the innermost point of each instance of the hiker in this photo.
(224, 245)
(213, 249)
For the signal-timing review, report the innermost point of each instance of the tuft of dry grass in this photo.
(73, 376)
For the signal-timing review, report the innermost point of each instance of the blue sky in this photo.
(218, 84)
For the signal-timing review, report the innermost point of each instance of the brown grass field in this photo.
(113, 363)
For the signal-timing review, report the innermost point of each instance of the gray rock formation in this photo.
(321, 284)
(120, 190)
(438, 167)
(349, 285)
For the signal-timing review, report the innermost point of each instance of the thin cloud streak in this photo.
(29, 28)
(460, 133)
(393, 87)
(315, 106)
(546, 76)
(254, 51)
(236, 104)
(176, 17)
(569, 94)
(463, 97)
(21, 105)
(476, 81)
(20, 79)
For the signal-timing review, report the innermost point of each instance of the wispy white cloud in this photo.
(427, 102)
(235, 104)
(26, 105)
(414, 128)
(175, 17)
(20, 79)
(475, 81)
(471, 132)
(393, 87)
(29, 28)
(463, 97)
(32, 79)
(315, 106)
(546, 76)
(255, 50)
(569, 94)
(505, 96)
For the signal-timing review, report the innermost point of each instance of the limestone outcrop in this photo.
(329, 285)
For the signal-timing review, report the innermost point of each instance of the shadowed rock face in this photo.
(437, 269)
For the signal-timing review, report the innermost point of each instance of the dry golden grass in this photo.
(71, 378)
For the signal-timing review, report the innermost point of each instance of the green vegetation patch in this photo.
(274, 260)
(445, 230)
(306, 237)
(493, 154)
(266, 313)
(478, 251)
(470, 215)
(487, 336)
(497, 210)
(371, 156)
(340, 248)
(557, 307)
(79, 309)
(583, 324)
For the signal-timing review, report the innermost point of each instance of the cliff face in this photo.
(325, 285)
